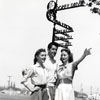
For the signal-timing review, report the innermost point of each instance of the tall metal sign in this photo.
(53, 8)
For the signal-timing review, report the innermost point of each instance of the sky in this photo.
(24, 28)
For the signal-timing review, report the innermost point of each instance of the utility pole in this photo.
(91, 90)
(97, 91)
(9, 81)
(81, 90)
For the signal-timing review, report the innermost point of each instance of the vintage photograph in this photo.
(49, 49)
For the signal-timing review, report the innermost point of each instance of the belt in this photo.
(65, 80)
(41, 86)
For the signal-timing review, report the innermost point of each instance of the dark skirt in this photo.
(40, 94)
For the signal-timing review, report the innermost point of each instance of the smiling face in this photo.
(64, 57)
(41, 57)
(52, 51)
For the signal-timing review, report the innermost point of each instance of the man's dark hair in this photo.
(52, 43)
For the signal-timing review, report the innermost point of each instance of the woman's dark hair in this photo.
(37, 54)
(70, 58)
(52, 43)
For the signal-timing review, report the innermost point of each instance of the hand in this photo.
(87, 51)
(23, 81)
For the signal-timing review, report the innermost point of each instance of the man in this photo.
(51, 66)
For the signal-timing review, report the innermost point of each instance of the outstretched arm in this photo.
(86, 53)
(75, 64)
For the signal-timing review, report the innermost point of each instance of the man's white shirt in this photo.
(51, 69)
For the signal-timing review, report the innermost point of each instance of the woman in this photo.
(38, 75)
(65, 74)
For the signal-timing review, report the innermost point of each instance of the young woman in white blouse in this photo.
(38, 75)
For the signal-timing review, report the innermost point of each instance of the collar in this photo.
(38, 65)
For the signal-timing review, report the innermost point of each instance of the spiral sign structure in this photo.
(52, 9)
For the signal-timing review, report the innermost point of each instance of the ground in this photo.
(14, 97)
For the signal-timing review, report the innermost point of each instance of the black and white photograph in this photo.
(49, 49)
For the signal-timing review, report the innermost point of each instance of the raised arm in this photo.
(86, 53)
(75, 64)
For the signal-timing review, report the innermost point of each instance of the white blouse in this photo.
(38, 74)
(65, 71)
